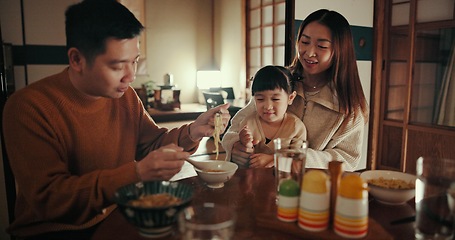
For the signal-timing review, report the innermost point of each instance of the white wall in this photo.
(358, 13)
(231, 55)
(178, 38)
(179, 41)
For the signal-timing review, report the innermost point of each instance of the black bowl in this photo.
(153, 221)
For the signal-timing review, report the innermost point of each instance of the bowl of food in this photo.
(215, 173)
(390, 187)
(153, 206)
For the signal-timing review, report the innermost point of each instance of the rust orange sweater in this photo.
(69, 154)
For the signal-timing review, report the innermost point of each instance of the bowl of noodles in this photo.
(390, 187)
(153, 206)
(216, 172)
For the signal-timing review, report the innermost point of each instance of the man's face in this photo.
(112, 72)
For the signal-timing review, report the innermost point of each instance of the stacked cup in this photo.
(314, 202)
(289, 161)
(351, 211)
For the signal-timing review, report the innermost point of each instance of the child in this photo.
(272, 94)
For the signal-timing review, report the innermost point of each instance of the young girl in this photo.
(272, 93)
(330, 99)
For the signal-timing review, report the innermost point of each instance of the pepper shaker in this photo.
(335, 177)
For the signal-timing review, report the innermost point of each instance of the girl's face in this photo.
(271, 105)
(315, 48)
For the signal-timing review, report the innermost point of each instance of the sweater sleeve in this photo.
(152, 137)
(232, 134)
(345, 145)
(48, 190)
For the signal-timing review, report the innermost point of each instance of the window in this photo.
(266, 34)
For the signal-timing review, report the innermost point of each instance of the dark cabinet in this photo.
(414, 69)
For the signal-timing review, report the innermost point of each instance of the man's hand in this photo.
(161, 164)
(204, 125)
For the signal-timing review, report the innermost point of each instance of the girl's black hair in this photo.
(270, 78)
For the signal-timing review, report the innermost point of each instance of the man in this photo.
(75, 137)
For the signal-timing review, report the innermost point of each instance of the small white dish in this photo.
(216, 173)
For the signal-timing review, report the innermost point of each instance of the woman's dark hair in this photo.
(343, 73)
(271, 78)
(91, 22)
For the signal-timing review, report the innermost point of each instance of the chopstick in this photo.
(403, 220)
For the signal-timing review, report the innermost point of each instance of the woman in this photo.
(330, 99)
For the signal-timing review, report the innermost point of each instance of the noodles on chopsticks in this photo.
(216, 133)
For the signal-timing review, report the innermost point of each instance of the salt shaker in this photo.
(351, 211)
(314, 202)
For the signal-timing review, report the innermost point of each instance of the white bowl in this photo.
(216, 172)
(389, 195)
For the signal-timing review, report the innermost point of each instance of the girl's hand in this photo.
(246, 137)
(261, 160)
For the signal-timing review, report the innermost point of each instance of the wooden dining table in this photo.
(251, 193)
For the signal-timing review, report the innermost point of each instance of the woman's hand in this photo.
(261, 160)
(241, 154)
(161, 164)
(204, 125)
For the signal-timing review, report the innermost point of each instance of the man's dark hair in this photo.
(90, 23)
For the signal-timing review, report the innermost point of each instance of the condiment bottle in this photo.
(288, 200)
(335, 170)
(351, 214)
(314, 201)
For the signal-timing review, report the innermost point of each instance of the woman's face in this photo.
(315, 48)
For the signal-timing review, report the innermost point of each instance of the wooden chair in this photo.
(10, 183)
